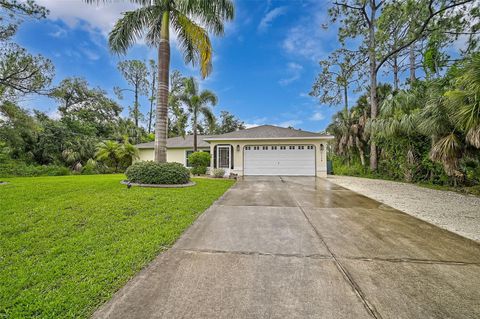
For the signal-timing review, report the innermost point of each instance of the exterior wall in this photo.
(321, 156)
(173, 154)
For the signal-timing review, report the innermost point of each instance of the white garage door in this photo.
(279, 160)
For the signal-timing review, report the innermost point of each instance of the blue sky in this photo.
(263, 67)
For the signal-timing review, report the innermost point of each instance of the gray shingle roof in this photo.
(179, 142)
(267, 131)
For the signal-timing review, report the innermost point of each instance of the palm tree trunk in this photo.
(194, 132)
(162, 99)
(345, 97)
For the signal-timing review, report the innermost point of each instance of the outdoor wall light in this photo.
(238, 148)
(321, 147)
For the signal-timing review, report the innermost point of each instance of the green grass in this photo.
(68, 243)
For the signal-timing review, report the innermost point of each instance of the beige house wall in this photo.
(173, 154)
(321, 156)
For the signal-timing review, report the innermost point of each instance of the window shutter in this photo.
(214, 156)
(232, 150)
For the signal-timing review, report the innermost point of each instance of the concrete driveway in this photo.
(302, 247)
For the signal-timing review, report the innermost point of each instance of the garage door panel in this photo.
(294, 162)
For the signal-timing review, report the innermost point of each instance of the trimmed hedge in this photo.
(150, 172)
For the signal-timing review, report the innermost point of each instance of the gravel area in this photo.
(455, 212)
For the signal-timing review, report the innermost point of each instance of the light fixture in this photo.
(321, 147)
(238, 148)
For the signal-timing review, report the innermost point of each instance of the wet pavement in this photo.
(300, 247)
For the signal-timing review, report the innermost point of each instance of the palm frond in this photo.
(131, 27)
(194, 41)
(208, 96)
(210, 13)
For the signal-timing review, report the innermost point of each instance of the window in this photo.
(283, 147)
(301, 147)
(265, 148)
(247, 148)
(187, 154)
(256, 148)
(310, 147)
(274, 148)
(291, 147)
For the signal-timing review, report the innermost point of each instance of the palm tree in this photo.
(197, 104)
(109, 153)
(191, 20)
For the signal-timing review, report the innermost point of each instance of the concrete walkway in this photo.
(305, 248)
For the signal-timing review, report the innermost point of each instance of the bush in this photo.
(199, 170)
(218, 173)
(21, 169)
(158, 173)
(199, 161)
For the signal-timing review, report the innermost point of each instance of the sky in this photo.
(263, 67)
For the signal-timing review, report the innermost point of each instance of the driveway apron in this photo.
(301, 247)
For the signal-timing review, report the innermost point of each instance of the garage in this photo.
(287, 160)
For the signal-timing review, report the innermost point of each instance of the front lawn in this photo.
(68, 243)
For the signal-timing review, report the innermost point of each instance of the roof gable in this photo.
(266, 131)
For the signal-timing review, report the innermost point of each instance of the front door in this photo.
(223, 157)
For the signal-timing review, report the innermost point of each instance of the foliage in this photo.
(20, 72)
(197, 103)
(199, 161)
(149, 172)
(12, 169)
(228, 123)
(69, 249)
(135, 73)
(218, 172)
(115, 155)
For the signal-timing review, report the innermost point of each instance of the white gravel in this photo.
(452, 211)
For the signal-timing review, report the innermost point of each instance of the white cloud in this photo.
(307, 37)
(294, 71)
(317, 116)
(269, 17)
(99, 16)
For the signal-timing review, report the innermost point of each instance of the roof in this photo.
(179, 142)
(267, 132)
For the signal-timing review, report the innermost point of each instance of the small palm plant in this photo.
(198, 104)
(190, 20)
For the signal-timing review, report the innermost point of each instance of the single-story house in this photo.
(260, 150)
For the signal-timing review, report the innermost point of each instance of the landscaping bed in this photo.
(74, 240)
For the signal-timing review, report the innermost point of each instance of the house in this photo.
(261, 150)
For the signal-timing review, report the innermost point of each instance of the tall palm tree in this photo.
(198, 104)
(191, 20)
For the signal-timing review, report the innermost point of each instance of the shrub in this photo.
(158, 173)
(199, 161)
(21, 169)
(218, 173)
(199, 170)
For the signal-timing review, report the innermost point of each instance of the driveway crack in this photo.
(253, 253)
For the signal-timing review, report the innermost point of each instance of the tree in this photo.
(153, 90)
(191, 21)
(198, 104)
(359, 18)
(229, 123)
(89, 106)
(20, 72)
(178, 118)
(135, 73)
(339, 72)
